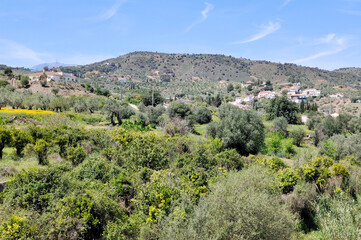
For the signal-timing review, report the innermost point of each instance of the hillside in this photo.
(149, 66)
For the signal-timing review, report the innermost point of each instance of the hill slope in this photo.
(149, 66)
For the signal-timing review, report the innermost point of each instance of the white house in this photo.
(241, 106)
(267, 94)
(53, 76)
(238, 100)
(311, 92)
(297, 98)
(248, 98)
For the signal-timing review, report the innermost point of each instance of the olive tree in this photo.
(239, 129)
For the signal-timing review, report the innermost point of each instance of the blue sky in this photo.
(317, 33)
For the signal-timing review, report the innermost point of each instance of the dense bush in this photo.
(178, 109)
(280, 125)
(245, 205)
(239, 129)
(202, 115)
(283, 107)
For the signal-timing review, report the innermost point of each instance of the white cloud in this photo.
(204, 14)
(327, 39)
(351, 12)
(15, 53)
(285, 3)
(318, 55)
(112, 11)
(333, 43)
(265, 31)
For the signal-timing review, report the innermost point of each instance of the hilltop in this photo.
(162, 67)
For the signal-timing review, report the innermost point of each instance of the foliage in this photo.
(287, 179)
(18, 228)
(280, 125)
(283, 107)
(152, 98)
(24, 81)
(242, 130)
(41, 149)
(338, 218)
(177, 126)
(202, 115)
(249, 209)
(76, 155)
(5, 138)
(298, 135)
(20, 139)
(178, 109)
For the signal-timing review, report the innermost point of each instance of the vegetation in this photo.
(120, 165)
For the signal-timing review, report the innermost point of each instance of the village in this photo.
(294, 93)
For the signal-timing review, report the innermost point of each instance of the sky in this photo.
(316, 33)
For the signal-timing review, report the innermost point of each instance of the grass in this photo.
(15, 163)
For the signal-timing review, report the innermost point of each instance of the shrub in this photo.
(5, 138)
(298, 135)
(76, 155)
(239, 129)
(177, 126)
(18, 228)
(283, 107)
(245, 205)
(24, 81)
(202, 115)
(178, 109)
(152, 98)
(20, 139)
(280, 125)
(41, 149)
(339, 170)
(287, 179)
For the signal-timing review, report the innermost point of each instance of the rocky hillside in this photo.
(149, 66)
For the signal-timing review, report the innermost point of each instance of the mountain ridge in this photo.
(154, 66)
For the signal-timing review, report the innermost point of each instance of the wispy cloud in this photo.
(318, 55)
(334, 43)
(351, 12)
(265, 31)
(10, 51)
(112, 11)
(204, 14)
(285, 3)
(327, 39)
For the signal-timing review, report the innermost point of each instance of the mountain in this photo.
(51, 65)
(150, 66)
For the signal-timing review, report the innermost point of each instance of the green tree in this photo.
(202, 115)
(152, 98)
(230, 87)
(239, 129)
(24, 81)
(5, 138)
(245, 205)
(8, 72)
(298, 135)
(20, 139)
(179, 109)
(41, 150)
(280, 125)
(43, 79)
(76, 155)
(283, 107)
(55, 90)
